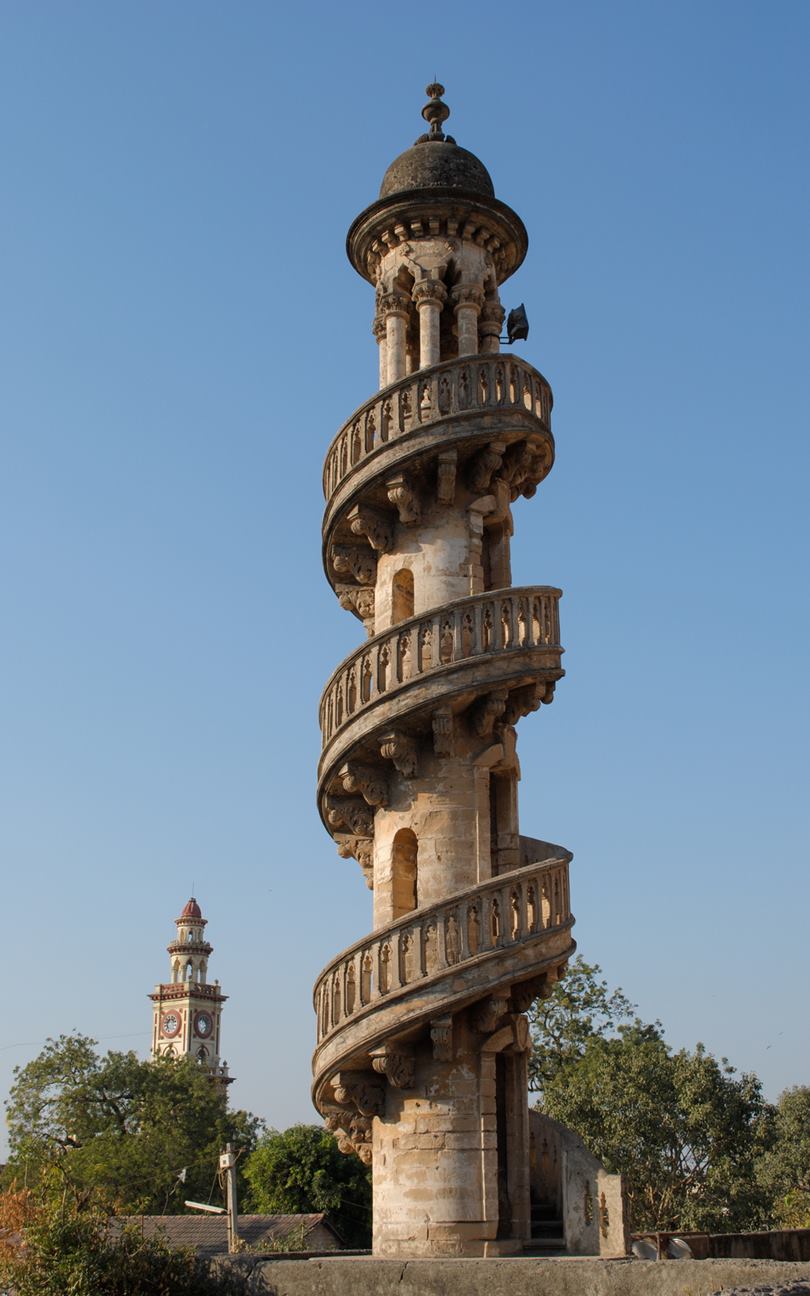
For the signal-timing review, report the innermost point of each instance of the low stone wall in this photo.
(344, 1276)
(776, 1244)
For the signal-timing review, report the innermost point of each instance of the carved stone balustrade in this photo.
(437, 960)
(503, 639)
(463, 404)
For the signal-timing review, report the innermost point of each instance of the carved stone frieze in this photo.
(356, 561)
(446, 476)
(524, 465)
(396, 1064)
(361, 849)
(352, 813)
(441, 1035)
(404, 498)
(443, 732)
(358, 599)
(489, 1014)
(369, 782)
(373, 524)
(401, 749)
(482, 466)
(487, 711)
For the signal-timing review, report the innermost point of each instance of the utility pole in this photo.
(227, 1163)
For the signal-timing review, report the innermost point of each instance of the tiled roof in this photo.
(208, 1234)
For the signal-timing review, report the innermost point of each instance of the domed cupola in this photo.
(436, 188)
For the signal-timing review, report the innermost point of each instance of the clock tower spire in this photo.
(186, 1010)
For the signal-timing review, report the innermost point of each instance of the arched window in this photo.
(189, 970)
(405, 895)
(190, 936)
(402, 596)
(202, 1053)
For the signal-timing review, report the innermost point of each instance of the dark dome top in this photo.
(435, 161)
(437, 165)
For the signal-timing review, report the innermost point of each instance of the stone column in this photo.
(379, 330)
(394, 307)
(429, 295)
(490, 325)
(467, 300)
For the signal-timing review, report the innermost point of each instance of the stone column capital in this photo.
(394, 303)
(378, 327)
(430, 291)
(467, 295)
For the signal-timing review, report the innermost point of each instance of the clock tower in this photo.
(187, 1010)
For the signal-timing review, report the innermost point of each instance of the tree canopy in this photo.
(687, 1132)
(121, 1126)
(302, 1170)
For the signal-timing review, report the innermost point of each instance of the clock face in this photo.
(170, 1024)
(203, 1024)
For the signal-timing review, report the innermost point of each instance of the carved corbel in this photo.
(352, 560)
(483, 465)
(441, 1035)
(374, 525)
(352, 1132)
(430, 290)
(394, 303)
(369, 782)
(396, 1064)
(358, 599)
(443, 732)
(489, 1014)
(361, 849)
(401, 749)
(352, 813)
(524, 700)
(524, 995)
(405, 500)
(487, 711)
(446, 477)
(360, 1089)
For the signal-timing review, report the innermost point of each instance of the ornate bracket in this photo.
(404, 498)
(360, 1089)
(488, 1014)
(401, 749)
(443, 732)
(370, 783)
(441, 1034)
(351, 1130)
(446, 476)
(483, 465)
(524, 995)
(374, 525)
(395, 1064)
(361, 849)
(487, 710)
(352, 813)
(524, 700)
(352, 560)
(358, 599)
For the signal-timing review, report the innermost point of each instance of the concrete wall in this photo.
(506, 1277)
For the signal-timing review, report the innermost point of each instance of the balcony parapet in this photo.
(505, 932)
(499, 638)
(434, 409)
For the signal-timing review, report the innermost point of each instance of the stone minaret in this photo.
(186, 1010)
(421, 1059)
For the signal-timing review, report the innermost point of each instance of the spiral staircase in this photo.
(420, 1064)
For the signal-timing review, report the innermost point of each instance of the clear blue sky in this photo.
(180, 337)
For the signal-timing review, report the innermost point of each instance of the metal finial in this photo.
(435, 112)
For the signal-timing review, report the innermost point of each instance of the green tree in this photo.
(684, 1129)
(302, 1170)
(784, 1169)
(121, 1126)
(580, 1008)
(67, 1250)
